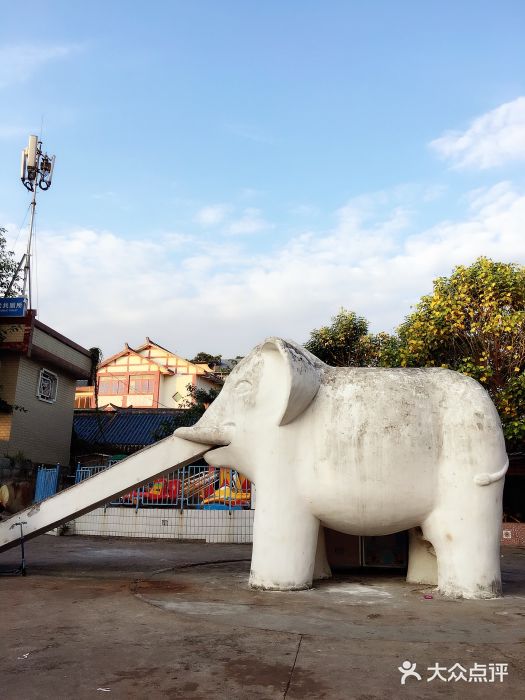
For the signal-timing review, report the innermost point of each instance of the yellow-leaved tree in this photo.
(474, 322)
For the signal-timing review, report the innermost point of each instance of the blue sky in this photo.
(232, 170)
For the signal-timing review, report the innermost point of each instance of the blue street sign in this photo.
(13, 306)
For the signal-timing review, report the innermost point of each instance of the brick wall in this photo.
(5, 429)
(8, 375)
(514, 534)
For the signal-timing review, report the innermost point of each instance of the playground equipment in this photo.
(140, 468)
(187, 486)
(234, 490)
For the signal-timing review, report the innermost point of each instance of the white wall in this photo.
(234, 526)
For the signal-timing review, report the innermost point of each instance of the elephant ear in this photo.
(301, 376)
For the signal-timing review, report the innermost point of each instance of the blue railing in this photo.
(46, 482)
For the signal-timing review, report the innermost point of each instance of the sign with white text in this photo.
(13, 306)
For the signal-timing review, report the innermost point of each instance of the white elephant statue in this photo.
(365, 451)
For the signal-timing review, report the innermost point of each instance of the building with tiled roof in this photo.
(39, 368)
(146, 377)
(122, 430)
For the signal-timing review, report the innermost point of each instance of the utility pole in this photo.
(27, 267)
(36, 171)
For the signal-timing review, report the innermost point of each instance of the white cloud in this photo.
(10, 131)
(18, 62)
(491, 140)
(251, 221)
(212, 215)
(433, 193)
(487, 200)
(190, 295)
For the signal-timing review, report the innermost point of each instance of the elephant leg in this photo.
(321, 567)
(422, 562)
(467, 544)
(284, 544)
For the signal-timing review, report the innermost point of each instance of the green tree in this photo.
(474, 322)
(8, 267)
(228, 365)
(205, 357)
(197, 402)
(346, 342)
(193, 407)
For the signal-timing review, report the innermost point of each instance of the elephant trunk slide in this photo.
(140, 468)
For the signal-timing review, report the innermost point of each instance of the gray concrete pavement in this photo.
(158, 619)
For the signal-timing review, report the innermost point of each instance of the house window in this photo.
(47, 386)
(141, 384)
(112, 385)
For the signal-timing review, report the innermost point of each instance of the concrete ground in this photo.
(120, 618)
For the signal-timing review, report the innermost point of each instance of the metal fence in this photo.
(206, 488)
(46, 482)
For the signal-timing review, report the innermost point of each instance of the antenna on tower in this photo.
(36, 167)
(36, 171)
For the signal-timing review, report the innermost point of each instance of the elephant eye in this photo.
(244, 386)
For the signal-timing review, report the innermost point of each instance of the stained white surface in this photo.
(366, 451)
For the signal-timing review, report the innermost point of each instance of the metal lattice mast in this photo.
(36, 170)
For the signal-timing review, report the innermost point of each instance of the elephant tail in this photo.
(486, 479)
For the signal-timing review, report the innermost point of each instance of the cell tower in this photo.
(36, 171)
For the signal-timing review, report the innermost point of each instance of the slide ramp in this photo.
(139, 468)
